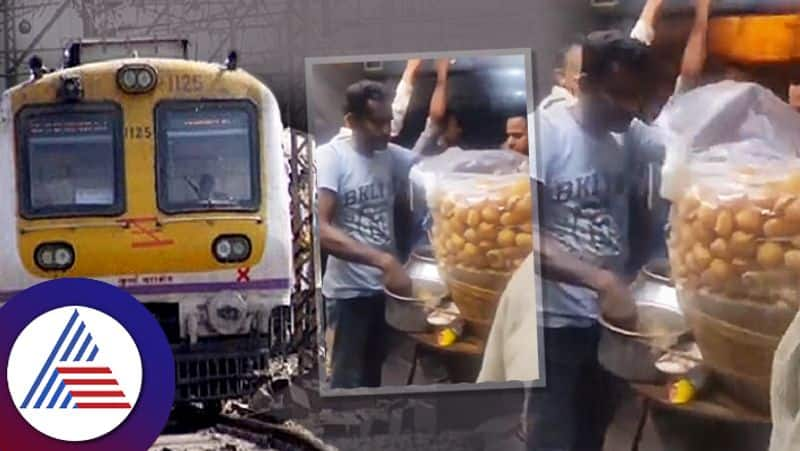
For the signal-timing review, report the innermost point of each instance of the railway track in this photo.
(233, 433)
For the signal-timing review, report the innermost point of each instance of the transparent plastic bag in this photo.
(480, 203)
(481, 206)
(733, 174)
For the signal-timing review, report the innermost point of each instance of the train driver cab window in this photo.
(71, 161)
(208, 158)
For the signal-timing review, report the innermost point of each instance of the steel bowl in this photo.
(410, 314)
(632, 355)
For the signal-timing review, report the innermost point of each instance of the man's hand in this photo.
(395, 276)
(413, 65)
(616, 301)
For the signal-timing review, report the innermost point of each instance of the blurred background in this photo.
(485, 90)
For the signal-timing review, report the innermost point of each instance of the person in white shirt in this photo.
(566, 74)
(514, 329)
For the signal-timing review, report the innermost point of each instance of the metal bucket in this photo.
(631, 355)
(410, 314)
(653, 285)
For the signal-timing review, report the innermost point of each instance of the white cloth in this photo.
(643, 32)
(558, 96)
(512, 350)
(400, 103)
(344, 132)
(785, 391)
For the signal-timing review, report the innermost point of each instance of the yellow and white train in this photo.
(165, 177)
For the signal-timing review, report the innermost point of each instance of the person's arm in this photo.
(337, 243)
(694, 55)
(558, 265)
(427, 142)
(644, 30)
(438, 105)
(405, 89)
(614, 295)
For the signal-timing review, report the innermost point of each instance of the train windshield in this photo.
(71, 161)
(207, 156)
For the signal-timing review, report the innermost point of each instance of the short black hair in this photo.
(360, 93)
(518, 111)
(603, 50)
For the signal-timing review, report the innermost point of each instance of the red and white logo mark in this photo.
(93, 387)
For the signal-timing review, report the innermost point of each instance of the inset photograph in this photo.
(425, 221)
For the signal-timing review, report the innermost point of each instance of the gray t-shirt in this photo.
(585, 207)
(365, 188)
(648, 143)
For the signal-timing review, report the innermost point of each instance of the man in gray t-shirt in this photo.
(585, 181)
(358, 177)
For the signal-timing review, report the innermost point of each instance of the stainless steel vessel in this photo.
(631, 355)
(409, 314)
(654, 286)
(422, 265)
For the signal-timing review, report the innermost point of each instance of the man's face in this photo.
(517, 135)
(372, 130)
(794, 96)
(614, 100)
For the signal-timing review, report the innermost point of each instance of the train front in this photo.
(165, 177)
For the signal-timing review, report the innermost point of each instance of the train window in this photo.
(70, 161)
(208, 158)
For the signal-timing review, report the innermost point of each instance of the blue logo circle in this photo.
(90, 351)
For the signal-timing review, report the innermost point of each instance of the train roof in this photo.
(89, 70)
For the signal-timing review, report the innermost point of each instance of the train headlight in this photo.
(144, 79)
(136, 78)
(231, 248)
(54, 256)
(129, 80)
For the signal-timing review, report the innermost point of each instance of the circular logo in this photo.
(64, 383)
(87, 367)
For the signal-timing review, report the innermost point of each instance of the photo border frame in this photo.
(532, 98)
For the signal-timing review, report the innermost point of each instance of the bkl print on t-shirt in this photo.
(365, 211)
(584, 222)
